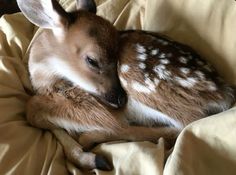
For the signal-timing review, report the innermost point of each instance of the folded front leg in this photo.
(55, 112)
(75, 153)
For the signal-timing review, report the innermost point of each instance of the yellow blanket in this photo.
(206, 147)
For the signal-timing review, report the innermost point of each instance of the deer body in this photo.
(73, 69)
(170, 78)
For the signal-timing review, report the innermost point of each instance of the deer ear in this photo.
(44, 13)
(88, 5)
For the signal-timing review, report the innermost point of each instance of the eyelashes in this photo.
(92, 62)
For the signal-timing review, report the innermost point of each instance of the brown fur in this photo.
(71, 92)
(183, 104)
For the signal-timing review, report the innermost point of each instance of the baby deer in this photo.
(73, 67)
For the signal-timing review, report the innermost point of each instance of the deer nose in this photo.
(116, 97)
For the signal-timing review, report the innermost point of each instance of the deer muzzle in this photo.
(115, 98)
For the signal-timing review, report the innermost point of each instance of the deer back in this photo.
(170, 79)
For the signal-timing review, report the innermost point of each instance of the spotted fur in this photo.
(73, 70)
(187, 88)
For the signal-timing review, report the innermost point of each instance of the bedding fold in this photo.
(206, 146)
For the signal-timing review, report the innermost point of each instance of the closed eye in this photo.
(92, 62)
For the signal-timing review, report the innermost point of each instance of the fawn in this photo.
(108, 85)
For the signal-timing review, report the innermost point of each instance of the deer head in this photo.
(83, 46)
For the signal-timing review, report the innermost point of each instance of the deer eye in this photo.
(91, 62)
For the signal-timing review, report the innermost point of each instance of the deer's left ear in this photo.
(88, 5)
(45, 13)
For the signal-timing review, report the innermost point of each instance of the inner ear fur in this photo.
(44, 13)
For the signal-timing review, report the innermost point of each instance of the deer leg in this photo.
(75, 153)
(43, 112)
(131, 133)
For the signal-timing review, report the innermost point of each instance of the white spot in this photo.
(145, 115)
(164, 61)
(165, 43)
(162, 72)
(184, 52)
(183, 60)
(154, 52)
(162, 55)
(200, 74)
(142, 65)
(208, 68)
(124, 68)
(146, 75)
(140, 48)
(189, 82)
(160, 67)
(140, 88)
(142, 57)
(169, 55)
(156, 81)
(211, 86)
(185, 70)
(150, 84)
(200, 63)
(162, 41)
(123, 81)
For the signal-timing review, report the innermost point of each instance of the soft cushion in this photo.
(204, 147)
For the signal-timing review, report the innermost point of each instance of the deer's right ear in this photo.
(45, 13)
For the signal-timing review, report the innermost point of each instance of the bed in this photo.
(207, 146)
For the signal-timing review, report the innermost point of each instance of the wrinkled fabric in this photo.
(206, 146)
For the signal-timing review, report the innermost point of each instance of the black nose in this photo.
(116, 98)
(122, 99)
